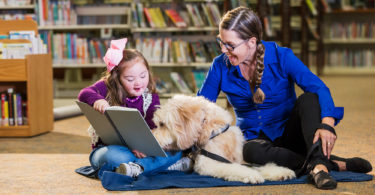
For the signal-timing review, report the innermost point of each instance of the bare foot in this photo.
(319, 167)
(341, 165)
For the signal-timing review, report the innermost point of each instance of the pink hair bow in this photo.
(114, 54)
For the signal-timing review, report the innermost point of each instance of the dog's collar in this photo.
(220, 131)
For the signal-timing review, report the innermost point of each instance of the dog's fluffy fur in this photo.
(185, 121)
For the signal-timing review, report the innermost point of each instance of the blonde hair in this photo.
(247, 24)
(116, 92)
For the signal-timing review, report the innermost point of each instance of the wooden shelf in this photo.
(354, 11)
(349, 41)
(329, 70)
(17, 7)
(79, 65)
(85, 27)
(175, 29)
(152, 64)
(32, 76)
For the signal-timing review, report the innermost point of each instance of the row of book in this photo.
(70, 48)
(163, 50)
(13, 109)
(192, 14)
(55, 12)
(63, 12)
(352, 30)
(350, 4)
(18, 50)
(350, 57)
(188, 83)
(15, 2)
(16, 15)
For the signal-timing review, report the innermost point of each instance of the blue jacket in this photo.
(282, 70)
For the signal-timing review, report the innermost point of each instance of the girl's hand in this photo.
(138, 154)
(328, 140)
(101, 105)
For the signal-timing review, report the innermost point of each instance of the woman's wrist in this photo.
(329, 121)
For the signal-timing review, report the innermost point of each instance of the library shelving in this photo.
(87, 27)
(32, 78)
(178, 39)
(13, 9)
(349, 41)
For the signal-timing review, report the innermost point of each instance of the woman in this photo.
(258, 78)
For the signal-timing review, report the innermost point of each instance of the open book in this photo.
(123, 126)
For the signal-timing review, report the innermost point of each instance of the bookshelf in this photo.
(348, 42)
(13, 9)
(31, 77)
(180, 39)
(78, 38)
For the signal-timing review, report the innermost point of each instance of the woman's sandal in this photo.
(355, 164)
(322, 180)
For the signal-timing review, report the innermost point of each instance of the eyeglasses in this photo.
(228, 46)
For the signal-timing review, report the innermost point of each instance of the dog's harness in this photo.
(197, 150)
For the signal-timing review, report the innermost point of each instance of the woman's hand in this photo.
(101, 105)
(328, 141)
(328, 138)
(138, 154)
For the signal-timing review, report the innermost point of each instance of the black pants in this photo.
(291, 149)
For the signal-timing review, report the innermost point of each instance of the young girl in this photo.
(128, 82)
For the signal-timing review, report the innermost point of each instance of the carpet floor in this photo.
(45, 164)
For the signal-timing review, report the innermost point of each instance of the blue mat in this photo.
(176, 179)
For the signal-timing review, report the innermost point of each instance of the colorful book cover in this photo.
(180, 83)
(176, 18)
(149, 17)
(4, 111)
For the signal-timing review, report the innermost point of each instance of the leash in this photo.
(197, 150)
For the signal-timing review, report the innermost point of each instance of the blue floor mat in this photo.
(176, 179)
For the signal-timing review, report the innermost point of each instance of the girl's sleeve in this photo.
(309, 82)
(151, 110)
(93, 93)
(211, 86)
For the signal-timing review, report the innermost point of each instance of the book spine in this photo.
(4, 106)
(10, 109)
(19, 109)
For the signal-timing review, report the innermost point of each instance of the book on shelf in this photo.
(177, 20)
(311, 28)
(310, 4)
(15, 50)
(140, 15)
(180, 83)
(215, 13)
(198, 77)
(148, 16)
(11, 109)
(123, 126)
(194, 15)
(4, 110)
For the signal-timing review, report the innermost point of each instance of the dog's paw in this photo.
(253, 179)
(246, 176)
(273, 172)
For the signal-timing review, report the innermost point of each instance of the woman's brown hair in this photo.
(116, 92)
(247, 25)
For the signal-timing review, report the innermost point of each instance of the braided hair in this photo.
(247, 24)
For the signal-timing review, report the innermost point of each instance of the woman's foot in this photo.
(320, 177)
(355, 164)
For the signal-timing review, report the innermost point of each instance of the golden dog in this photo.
(185, 121)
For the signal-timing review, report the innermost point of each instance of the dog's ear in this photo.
(215, 118)
(191, 116)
